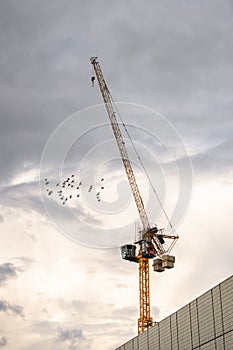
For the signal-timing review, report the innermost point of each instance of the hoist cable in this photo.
(142, 165)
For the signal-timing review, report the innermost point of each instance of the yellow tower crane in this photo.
(152, 242)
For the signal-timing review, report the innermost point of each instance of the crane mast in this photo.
(152, 239)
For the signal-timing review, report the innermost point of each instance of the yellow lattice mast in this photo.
(151, 242)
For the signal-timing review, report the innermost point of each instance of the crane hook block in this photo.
(93, 80)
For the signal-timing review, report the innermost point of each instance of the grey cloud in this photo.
(7, 271)
(5, 306)
(108, 311)
(24, 195)
(215, 161)
(63, 337)
(193, 40)
(125, 313)
(184, 60)
(27, 196)
(3, 342)
(71, 336)
(101, 313)
(11, 270)
(68, 334)
(43, 327)
(33, 115)
(156, 312)
(219, 157)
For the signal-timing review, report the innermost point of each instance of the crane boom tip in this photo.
(93, 59)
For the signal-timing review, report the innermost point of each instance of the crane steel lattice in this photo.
(152, 240)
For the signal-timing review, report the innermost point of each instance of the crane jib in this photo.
(124, 155)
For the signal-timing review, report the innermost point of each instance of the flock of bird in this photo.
(69, 189)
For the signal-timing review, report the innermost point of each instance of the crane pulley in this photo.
(152, 240)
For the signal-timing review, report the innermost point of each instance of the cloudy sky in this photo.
(63, 284)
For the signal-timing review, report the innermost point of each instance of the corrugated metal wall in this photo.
(204, 324)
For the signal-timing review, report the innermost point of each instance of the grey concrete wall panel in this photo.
(204, 324)
(205, 317)
(143, 341)
(218, 316)
(184, 328)
(220, 343)
(165, 334)
(174, 331)
(195, 336)
(208, 346)
(135, 343)
(154, 338)
(227, 304)
(129, 345)
(229, 340)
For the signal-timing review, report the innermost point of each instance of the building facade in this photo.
(204, 324)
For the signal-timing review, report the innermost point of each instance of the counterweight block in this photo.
(166, 262)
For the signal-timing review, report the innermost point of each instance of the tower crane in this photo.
(152, 242)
